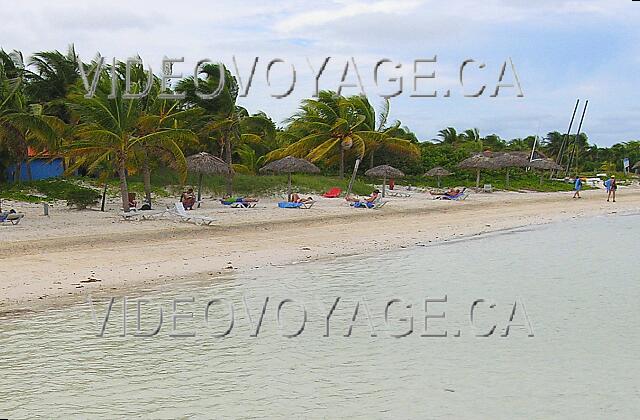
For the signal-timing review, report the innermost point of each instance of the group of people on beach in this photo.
(610, 185)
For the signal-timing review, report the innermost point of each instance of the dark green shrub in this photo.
(81, 198)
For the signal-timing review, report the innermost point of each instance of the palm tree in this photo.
(21, 125)
(222, 120)
(331, 126)
(449, 135)
(110, 132)
(49, 83)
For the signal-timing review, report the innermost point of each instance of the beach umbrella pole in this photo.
(199, 188)
(384, 184)
(507, 177)
(438, 181)
(289, 188)
(477, 178)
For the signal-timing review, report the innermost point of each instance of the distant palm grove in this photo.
(44, 112)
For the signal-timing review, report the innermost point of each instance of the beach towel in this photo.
(289, 205)
(332, 193)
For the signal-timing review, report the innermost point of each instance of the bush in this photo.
(82, 198)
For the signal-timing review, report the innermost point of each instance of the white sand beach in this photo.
(48, 261)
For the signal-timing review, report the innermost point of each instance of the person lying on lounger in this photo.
(452, 192)
(373, 197)
(235, 199)
(295, 198)
(188, 199)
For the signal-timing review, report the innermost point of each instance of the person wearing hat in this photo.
(612, 186)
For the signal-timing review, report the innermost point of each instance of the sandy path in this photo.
(50, 256)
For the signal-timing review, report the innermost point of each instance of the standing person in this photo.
(611, 188)
(577, 187)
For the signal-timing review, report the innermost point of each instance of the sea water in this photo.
(540, 322)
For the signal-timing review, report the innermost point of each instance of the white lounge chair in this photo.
(13, 218)
(190, 217)
(144, 215)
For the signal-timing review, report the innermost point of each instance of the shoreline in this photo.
(50, 271)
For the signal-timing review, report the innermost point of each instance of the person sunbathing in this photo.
(295, 198)
(235, 199)
(452, 192)
(188, 199)
(373, 197)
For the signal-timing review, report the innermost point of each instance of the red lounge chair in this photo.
(332, 193)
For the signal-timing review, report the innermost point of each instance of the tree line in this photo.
(43, 108)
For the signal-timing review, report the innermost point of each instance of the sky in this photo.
(561, 50)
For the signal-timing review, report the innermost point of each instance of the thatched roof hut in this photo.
(510, 160)
(545, 165)
(290, 165)
(477, 162)
(205, 163)
(438, 172)
(384, 172)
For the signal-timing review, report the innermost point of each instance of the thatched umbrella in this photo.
(477, 162)
(205, 163)
(439, 172)
(509, 160)
(544, 165)
(384, 172)
(290, 165)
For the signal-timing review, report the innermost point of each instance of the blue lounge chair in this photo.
(290, 205)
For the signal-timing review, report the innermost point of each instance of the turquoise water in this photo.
(571, 350)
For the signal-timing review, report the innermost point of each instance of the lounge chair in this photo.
(333, 193)
(488, 188)
(397, 193)
(462, 195)
(239, 203)
(190, 217)
(13, 218)
(299, 205)
(144, 215)
(375, 204)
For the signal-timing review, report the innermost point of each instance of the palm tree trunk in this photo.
(17, 175)
(341, 162)
(124, 190)
(146, 176)
(228, 159)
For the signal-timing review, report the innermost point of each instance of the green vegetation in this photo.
(48, 190)
(82, 198)
(140, 145)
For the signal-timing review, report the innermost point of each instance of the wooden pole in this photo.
(104, 197)
(289, 188)
(478, 178)
(384, 184)
(199, 188)
(438, 181)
